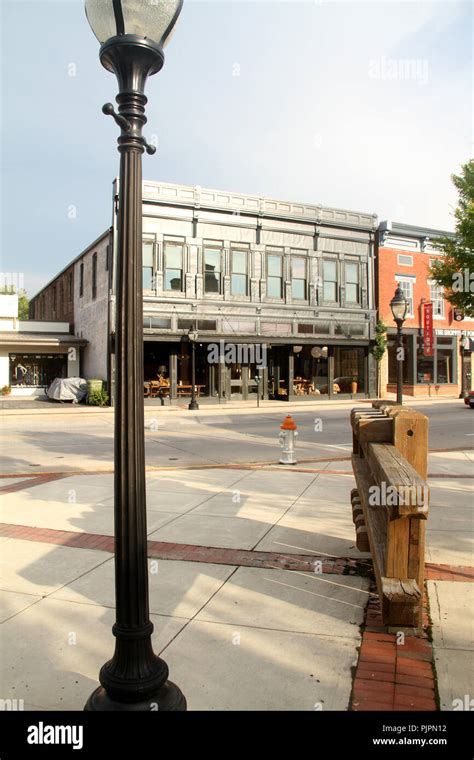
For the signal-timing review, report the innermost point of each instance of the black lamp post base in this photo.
(193, 405)
(168, 698)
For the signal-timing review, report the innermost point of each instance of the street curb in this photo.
(227, 408)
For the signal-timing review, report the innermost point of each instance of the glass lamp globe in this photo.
(399, 305)
(150, 19)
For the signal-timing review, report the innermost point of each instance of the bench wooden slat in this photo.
(390, 445)
(391, 469)
(375, 518)
(377, 430)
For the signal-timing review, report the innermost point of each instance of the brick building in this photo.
(403, 256)
(79, 295)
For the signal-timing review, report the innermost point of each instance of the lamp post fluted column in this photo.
(135, 678)
(193, 336)
(400, 360)
(399, 308)
(463, 375)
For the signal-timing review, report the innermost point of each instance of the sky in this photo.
(358, 105)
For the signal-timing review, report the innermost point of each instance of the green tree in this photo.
(455, 271)
(379, 348)
(23, 303)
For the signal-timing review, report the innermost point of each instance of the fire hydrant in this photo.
(287, 438)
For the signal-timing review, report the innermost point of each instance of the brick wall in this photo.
(388, 267)
(56, 301)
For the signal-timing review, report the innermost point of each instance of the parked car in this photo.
(469, 399)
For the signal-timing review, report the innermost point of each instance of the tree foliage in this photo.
(379, 348)
(455, 271)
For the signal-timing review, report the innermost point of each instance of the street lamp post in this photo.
(132, 34)
(464, 346)
(193, 336)
(399, 306)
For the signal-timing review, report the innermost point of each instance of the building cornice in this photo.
(260, 207)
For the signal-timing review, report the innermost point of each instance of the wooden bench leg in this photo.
(401, 602)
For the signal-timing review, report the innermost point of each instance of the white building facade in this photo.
(281, 295)
(33, 352)
(292, 281)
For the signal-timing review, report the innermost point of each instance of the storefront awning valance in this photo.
(39, 340)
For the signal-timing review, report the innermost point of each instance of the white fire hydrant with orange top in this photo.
(287, 439)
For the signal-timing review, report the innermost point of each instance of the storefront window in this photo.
(34, 370)
(444, 366)
(392, 359)
(438, 368)
(349, 369)
(310, 377)
(424, 367)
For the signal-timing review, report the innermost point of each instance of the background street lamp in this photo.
(399, 307)
(193, 336)
(464, 347)
(132, 34)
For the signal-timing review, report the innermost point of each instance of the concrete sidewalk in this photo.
(250, 622)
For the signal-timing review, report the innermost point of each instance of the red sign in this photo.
(428, 329)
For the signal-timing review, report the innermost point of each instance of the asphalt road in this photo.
(60, 442)
(451, 425)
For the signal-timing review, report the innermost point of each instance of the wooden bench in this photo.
(390, 504)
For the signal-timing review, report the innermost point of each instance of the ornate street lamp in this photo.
(193, 336)
(132, 34)
(399, 307)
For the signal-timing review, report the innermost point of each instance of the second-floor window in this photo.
(298, 277)
(239, 275)
(81, 280)
(437, 299)
(406, 284)
(94, 275)
(148, 265)
(352, 282)
(173, 255)
(274, 275)
(212, 269)
(330, 281)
